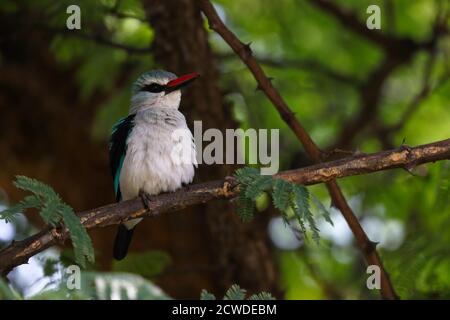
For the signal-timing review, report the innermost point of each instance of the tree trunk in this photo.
(208, 240)
(46, 134)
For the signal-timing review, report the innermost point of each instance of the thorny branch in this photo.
(18, 252)
(366, 246)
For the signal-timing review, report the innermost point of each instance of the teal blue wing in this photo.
(118, 150)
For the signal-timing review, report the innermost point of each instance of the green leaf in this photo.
(319, 205)
(300, 200)
(205, 295)
(287, 197)
(49, 213)
(50, 267)
(315, 230)
(132, 287)
(246, 175)
(36, 187)
(105, 286)
(246, 207)
(258, 186)
(80, 239)
(26, 203)
(280, 194)
(9, 213)
(52, 210)
(261, 296)
(235, 293)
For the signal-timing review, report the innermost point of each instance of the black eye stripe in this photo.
(153, 87)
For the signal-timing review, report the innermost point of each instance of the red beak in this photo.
(181, 81)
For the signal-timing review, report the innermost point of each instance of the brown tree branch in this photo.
(18, 252)
(366, 246)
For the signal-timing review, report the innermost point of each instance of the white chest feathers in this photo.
(160, 154)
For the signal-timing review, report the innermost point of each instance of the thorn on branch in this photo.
(258, 86)
(403, 142)
(405, 147)
(333, 204)
(213, 25)
(287, 116)
(246, 51)
(370, 246)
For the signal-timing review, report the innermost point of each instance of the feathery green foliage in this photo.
(81, 241)
(235, 292)
(53, 211)
(324, 212)
(289, 198)
(246, 207)
(205, 295)
(258, 186)
(261, 296)
(280, 195)
(94, 285)
(300, 202)
(28, 202)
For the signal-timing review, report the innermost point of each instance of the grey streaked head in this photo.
(155, 76)
(158, 88)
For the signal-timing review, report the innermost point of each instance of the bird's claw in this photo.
(146, 198)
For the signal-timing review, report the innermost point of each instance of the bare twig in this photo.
(366, 246)
(18, 252)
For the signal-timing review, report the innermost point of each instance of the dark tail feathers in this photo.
(122, 242)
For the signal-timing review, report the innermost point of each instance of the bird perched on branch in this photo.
(147, 151)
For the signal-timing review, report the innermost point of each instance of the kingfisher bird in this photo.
(141, 148)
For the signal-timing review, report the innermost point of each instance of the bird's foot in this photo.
(146, 198)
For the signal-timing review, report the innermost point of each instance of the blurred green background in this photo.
(62, 90)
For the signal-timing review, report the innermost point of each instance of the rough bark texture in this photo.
(235, 252)
(47, 135)
(366, 246)
(19, 252)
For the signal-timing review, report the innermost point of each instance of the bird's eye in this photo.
(153, 87)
